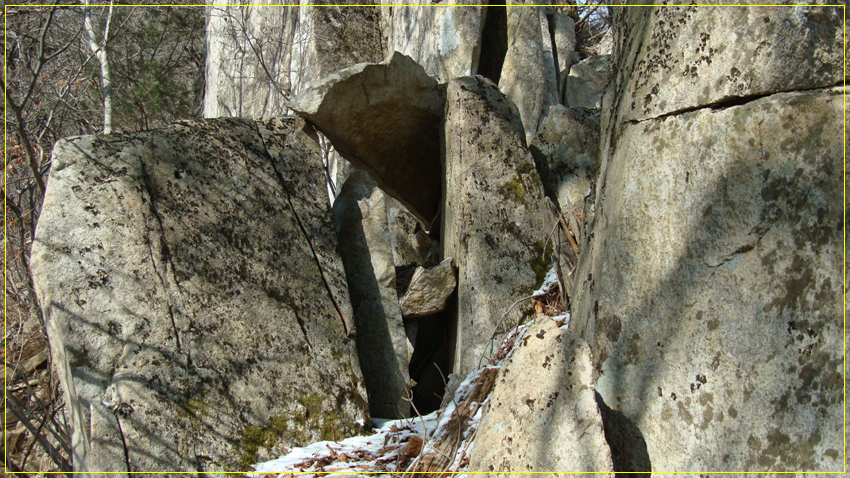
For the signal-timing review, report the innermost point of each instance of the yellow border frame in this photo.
(844, 243)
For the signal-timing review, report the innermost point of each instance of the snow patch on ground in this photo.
(551, 280)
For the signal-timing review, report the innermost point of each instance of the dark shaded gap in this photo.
(431, 363)
(494, 42)
(628, 447)
(550, 21)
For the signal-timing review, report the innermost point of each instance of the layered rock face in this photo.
(707, 287)
(196, 306)
(494, 221)
(258, 55)
(443, 37)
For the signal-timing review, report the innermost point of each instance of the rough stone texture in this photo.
(429, 289)
(445, 40)
(709, 293)
(193, 296)
(334, 37)
(586, 82)
(675, 62)
(552, 421)
(565, 152)
(385, 119)
(494, 220)
(707, 289)
(360, 216)
(528, 75)
(714, 315)
(259, 55)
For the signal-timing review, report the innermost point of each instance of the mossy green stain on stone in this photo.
(541, 263)
(514, 190)
(294, 428)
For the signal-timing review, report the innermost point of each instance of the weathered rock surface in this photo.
(445, 40)
(707, 289)
(194, 299)
(428, 291)
(528, 75)
(586, 82)
(259, 55)
(552, 421)
(385, 119)
(565, 152)
(494, 220)
(360, 216)
(673, 49)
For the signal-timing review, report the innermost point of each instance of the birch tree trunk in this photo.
(98, 48)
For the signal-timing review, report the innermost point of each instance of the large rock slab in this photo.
(732, 231)
(385, 119)
(550, 423)
(194, 298)
(445, 39)
(563, 29)
(494, 221)
(360, 217)
(529, 77)
(259, 54)
(331, 36)
(708, 290)
(685, 57)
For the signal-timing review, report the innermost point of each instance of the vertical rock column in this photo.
(708, 286)
(529, 77)
(494, 220)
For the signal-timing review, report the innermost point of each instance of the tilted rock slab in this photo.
(444, 39)
(360, 216)
(708, 288)
(542, 414)
(194, 298)
(385, 119)
(529, 77)
(429, 289)
(495, 220)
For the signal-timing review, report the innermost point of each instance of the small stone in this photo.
(428, 290)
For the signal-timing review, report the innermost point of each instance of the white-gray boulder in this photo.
(194, 299)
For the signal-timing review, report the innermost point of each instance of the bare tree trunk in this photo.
(99, 50)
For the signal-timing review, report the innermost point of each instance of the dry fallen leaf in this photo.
(414, 446)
